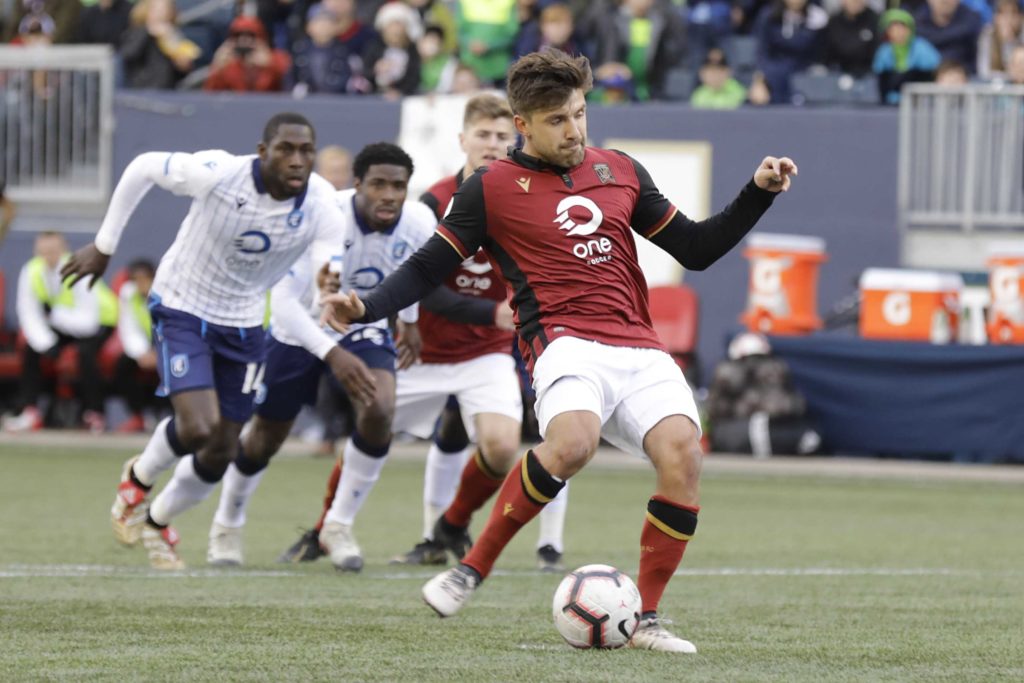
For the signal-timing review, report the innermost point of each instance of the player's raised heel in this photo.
(549, 559)
(454, 538)
(447, 592)
(424, 553)
(128, 513)
(159, 544)
(340, 544)
(651, 634)
(306, 549)
(225, 548)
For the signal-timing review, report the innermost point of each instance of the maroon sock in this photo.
(667, 529)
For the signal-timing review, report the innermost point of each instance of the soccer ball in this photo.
(596, 606)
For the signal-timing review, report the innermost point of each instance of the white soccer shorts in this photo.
(630, 389)
(486, 384)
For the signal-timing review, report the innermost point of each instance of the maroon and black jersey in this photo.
(563, 241)
(445, 341)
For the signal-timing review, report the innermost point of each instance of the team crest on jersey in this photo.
(179, 365)
(399, 249)
(295, 218)
(604, 174)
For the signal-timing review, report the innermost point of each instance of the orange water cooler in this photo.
(783, 293)
(1006, 287)
(910, 305)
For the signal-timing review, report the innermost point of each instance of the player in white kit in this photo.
(381, 231)
(251, 217)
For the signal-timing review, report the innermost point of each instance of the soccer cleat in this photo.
(453, 538)
(549, 559)
(29, 420)
(94, 421)
(424, 553)
(225, 548)
(159, 544)
(447, 592)
(306, 549)
(128, 513)
(340, 543)
(651, 634)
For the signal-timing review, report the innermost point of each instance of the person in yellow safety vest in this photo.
(135, 376)
(52, 315)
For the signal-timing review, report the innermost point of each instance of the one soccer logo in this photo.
(572, 227)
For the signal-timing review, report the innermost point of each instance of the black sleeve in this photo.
(698, 244)
(430, 200)
(459, 308)
(413, 280)
(465, 226)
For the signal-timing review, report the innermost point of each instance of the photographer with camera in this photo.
(246, 62)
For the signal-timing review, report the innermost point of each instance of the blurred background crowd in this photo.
(712, 53)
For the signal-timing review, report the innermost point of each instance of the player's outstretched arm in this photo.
(774, 174)
(87, 262)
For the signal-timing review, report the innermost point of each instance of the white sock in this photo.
(552, 521)
(234, 497)
(440, 481)
(157, 457)
(185, 490)
(359, 472)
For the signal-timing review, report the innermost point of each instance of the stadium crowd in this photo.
(714, 53)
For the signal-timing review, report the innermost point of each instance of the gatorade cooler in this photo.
(910, 305)
(783, 293)
(1006, 286)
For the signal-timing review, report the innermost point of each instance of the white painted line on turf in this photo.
(21, 571)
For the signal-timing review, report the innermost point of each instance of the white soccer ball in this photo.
(596, 606)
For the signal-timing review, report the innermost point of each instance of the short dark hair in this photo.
(380, 153)
(144, 265)
(545, 80)
(283, 119)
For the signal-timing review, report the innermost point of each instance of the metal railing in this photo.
(961, 158)
(56, 123)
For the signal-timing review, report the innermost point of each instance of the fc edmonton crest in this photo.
(179, 365)
(295, 218)
(399, 250)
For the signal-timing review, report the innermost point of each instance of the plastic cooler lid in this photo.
(782, 242)
(910, 280)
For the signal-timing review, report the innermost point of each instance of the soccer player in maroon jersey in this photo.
(555, 218)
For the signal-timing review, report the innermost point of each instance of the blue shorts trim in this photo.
(196, 354)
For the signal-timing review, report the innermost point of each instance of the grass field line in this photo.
(64, 571)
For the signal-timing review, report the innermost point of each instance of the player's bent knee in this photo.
(499, 452)
(195, 431)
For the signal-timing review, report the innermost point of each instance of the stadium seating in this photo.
(675, 313)
(834, 88)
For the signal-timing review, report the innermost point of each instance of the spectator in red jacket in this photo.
(246, 62)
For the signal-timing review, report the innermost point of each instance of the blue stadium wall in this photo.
(846, 192)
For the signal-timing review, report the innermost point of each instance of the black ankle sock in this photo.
(135, 480)
(149, 521)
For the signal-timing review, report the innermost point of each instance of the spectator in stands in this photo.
(903, 58)
(718, 89)
(320, 61)
(7, 213)
(1015, 68)
(155, 53)
(758, 94)
(334, 163)
(52, 315)
(613, 84)
(104, 22)
(437, 13)
(950, 73)
(62, 13)
(998, 39)
(246, 62)
(953, 29)
(851, 38)
(553, 28)
(35, 30)
(135, 377)
(487, 33)
(437, 63)
(709, 22)
(791, 35)
(466, 81)
(645, 36)
(394, 61)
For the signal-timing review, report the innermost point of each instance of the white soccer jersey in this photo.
(369, 258)
(236, 240)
